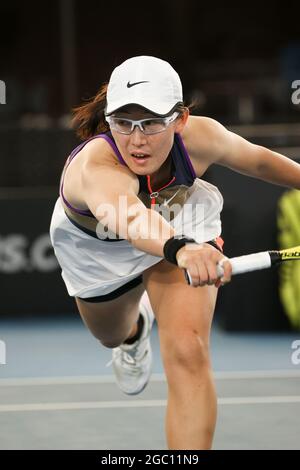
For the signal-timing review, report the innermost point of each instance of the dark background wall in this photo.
(203, 41)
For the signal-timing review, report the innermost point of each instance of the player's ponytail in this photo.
(88, 119)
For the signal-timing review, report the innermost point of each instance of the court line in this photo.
(258, 374)
(109, 379)
(139, 404)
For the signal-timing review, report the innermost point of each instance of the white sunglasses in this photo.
(147, 126)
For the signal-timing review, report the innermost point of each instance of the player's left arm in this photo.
(235, 152)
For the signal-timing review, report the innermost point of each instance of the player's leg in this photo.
(184, 315)
(124, 324)
(112, 321)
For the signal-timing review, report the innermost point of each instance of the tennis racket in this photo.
(256, 261)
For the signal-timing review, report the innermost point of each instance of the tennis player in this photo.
(133, 215)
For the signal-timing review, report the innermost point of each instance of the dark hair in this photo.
(89, 119)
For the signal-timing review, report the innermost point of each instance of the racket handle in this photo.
(242, 264)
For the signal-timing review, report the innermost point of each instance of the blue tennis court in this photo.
(57, 393)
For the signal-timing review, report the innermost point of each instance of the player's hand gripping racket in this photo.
(255, 261)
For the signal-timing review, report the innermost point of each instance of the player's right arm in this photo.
(110, 191)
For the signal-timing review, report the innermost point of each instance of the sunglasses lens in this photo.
(153, 126)
(121, 125)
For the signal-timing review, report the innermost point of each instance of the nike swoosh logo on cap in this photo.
(129, 85)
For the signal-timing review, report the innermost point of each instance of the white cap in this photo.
(146, 81)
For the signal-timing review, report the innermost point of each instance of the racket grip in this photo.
(188, 277)
(242, 264)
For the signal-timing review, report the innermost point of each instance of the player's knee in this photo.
(187, 352)
(108, 340)
(111, 342)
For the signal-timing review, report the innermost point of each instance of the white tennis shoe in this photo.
(132, 363)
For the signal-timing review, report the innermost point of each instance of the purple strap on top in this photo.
(70, 158)
(187, 156)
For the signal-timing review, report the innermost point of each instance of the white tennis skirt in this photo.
(93, 267)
